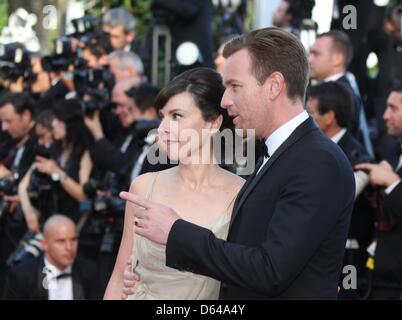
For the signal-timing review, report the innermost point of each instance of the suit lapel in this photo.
(42, 292)
(299, 132)
(78, 290)
(395, 155)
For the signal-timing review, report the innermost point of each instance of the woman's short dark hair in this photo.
(205, 86)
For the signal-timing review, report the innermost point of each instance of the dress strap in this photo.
(150, 185)
(230, 203)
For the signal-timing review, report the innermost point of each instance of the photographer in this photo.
(126, 65)
(15, 67)
(42, 81)
(59, 176)
(124, 149)
(331, 105)
(59, 68)
(290, 14)
(100, 236)
(95, 51)
(16, 117)
(120, 24)
(43, 131)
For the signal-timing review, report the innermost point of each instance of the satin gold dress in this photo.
(157, 281)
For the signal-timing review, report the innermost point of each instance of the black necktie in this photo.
(63, 275)
(262, 149)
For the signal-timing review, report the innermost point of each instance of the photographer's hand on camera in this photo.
(49, 167)
(94, 126)
(14, 202)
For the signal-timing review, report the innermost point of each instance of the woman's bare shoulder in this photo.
(139, 184)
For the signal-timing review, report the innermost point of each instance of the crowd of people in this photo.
(80, 125)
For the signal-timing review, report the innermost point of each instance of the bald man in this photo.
(57, 274)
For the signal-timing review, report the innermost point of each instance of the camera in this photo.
(63, 56)
(109, 202)
(105, 214)
(94, 100)
(84, 27)
(29, 247)
(40, 182)
(15, 62)
(93, 78)
(8, 188)
(93, 86)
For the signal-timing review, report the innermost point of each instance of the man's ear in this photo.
(329, 117)
(338, 59)
(26, 115)
(130, 36)
(275, 85)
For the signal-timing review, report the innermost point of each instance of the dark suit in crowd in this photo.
(25, 281)
(387, 275)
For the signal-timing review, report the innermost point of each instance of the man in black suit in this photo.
(329, 59)
(290, 220)
(331, 105)
(57, 275)
(387, 250)
(16, 118)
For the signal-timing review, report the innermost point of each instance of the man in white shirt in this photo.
(329, 59)
(57, 275)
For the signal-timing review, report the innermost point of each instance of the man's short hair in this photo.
(128, 60)
(334, 96)
(340, 43)
(396, 86)
(144, 96)
(20, 101)
(274, 50)
(119, 17)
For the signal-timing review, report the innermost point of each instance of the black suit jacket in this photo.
(25, 281)
(288, 230)
(388, 254)
(107, 154)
